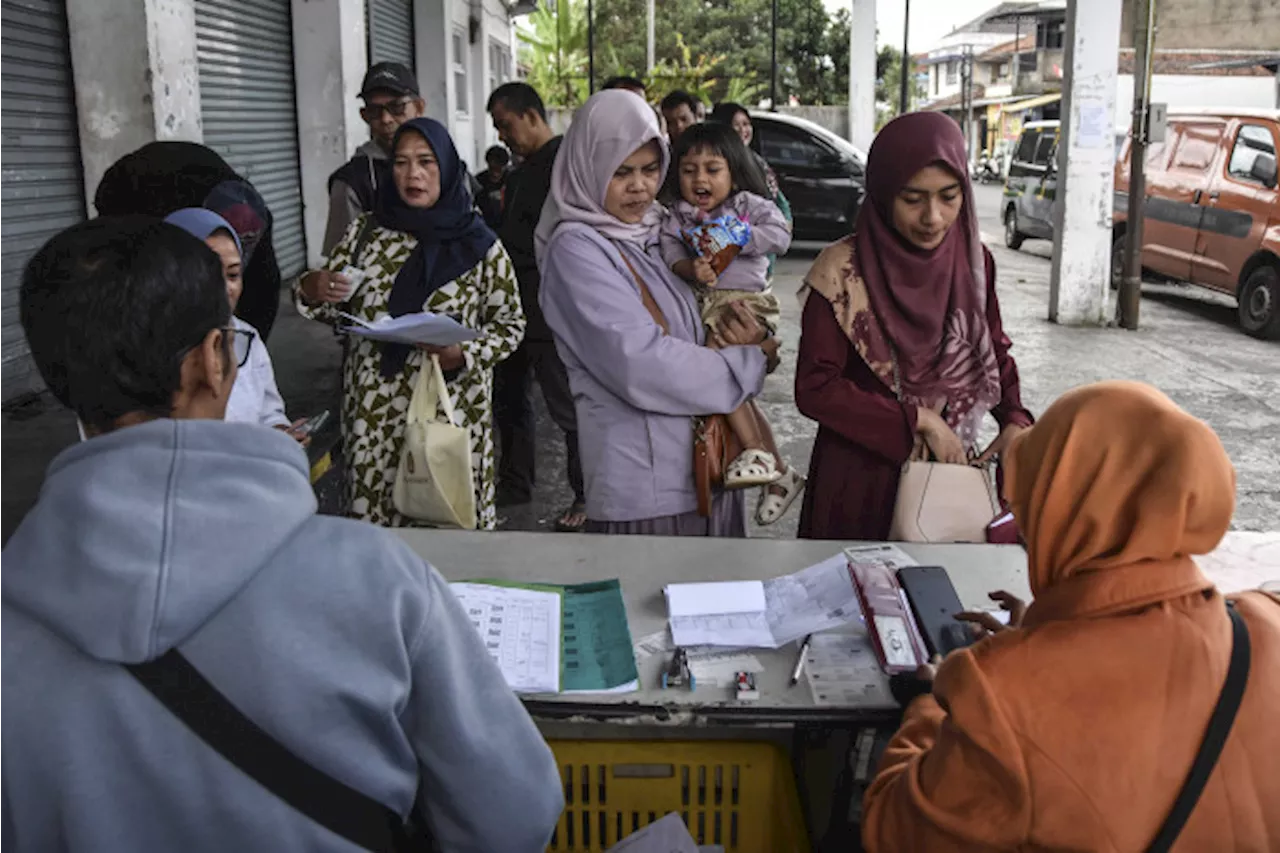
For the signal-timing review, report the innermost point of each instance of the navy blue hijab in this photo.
(452, 236)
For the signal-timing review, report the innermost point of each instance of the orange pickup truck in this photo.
(1212, 209)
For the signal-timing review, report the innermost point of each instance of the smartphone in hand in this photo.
(312, 425)
(935, 603)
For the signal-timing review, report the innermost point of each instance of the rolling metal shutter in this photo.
(245, 57)
(389, 24)
(42, 191)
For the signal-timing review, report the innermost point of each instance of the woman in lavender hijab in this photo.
(636, 385)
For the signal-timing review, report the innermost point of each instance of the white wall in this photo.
(1187, 90)
(495, 28)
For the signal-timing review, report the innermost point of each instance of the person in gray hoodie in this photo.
(170, 529)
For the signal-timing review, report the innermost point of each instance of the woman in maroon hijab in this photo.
(902, 352)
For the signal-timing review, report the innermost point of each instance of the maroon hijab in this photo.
(917, 317)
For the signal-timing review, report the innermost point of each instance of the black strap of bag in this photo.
(334, 805)
(1215, 736)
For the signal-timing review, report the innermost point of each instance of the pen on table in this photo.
(799, 667)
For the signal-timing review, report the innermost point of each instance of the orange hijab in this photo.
(1114, 489)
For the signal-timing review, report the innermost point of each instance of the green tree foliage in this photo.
(717, 48)
(554, 46)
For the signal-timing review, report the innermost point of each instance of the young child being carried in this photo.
(718, 236)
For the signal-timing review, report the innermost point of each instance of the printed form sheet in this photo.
(521, 630)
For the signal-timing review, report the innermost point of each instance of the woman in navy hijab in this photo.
(424, 248)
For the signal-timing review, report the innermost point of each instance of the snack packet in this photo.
(718, 240)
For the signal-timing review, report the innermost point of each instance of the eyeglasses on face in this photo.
(373, 112)
(241, 343)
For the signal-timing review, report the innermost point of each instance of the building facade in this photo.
(271, 85)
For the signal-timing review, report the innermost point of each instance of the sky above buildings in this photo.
(930, 19)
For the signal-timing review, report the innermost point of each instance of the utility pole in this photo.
(650, 45)
(773, 58)
(966, 98)
(591, 49)
(1144, 33)
(1017, 51)
(904, 100)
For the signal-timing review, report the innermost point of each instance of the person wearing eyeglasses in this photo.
(255, 399)
(391, 97)
(178, 545)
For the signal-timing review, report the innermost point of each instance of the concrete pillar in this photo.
(1079, 286)
(862, 73)
(134, 65)
(329, 62)
(433, 26)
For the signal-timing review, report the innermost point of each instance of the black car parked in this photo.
(821, 174)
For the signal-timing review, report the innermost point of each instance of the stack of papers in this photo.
(424, 328)
(767, 614)
(552, 639)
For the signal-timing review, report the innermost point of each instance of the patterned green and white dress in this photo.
(373, 407)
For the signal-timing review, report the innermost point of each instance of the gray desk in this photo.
(646, 564)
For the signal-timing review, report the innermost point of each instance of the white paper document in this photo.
(720, 667)
(883, 554)
(668, 835)
(815, 599)
(718, 614)
(766, 614)
(425, 328)
(843, 671)
(521, 630)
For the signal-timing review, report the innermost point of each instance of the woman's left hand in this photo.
(294, 431)
(1000, 445)
(738, 327)
(450, 357)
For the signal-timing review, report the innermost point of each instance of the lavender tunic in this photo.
(635, 388)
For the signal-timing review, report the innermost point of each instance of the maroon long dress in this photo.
(864, 434)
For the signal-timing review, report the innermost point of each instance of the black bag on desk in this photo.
(334, 805)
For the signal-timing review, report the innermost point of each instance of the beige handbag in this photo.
(940, 502)
(434, 483)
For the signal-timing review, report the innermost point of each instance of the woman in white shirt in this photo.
(254, 397)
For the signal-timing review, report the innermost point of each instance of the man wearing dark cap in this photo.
(391, 97)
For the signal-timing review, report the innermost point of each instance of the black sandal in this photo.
(563, 526)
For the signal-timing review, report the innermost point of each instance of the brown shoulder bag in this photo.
(715, 445)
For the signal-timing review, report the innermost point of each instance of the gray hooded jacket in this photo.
(332, 635)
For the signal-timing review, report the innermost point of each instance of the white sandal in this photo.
(773, 507)
(752, 468)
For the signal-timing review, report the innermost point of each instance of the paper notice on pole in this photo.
(1094, 127)
(815, 599)
(422, 328)
(884, 554)
(718, 614)
(521, 631)
(843, 671)
(668, 835)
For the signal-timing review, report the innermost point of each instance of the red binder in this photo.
(890, 623)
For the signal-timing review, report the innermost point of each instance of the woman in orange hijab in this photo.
(1076, 730)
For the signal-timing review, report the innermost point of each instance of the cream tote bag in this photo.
(434, 483)
(940, 502)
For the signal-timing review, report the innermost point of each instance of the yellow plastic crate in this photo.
(740, 795)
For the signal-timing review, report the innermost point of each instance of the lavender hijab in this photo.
(605, 132)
